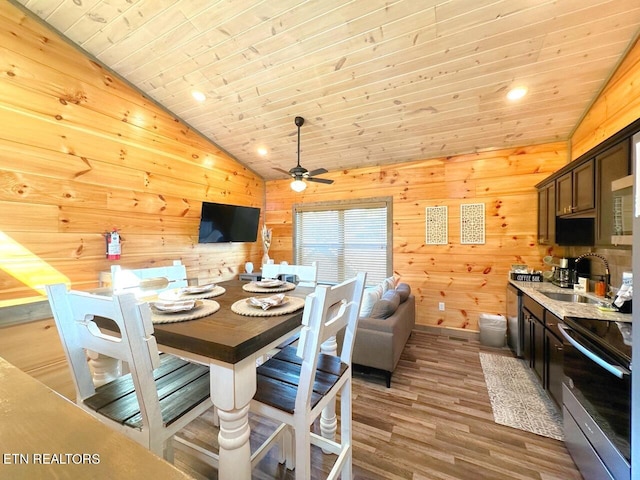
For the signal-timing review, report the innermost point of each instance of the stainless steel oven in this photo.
(597, 396)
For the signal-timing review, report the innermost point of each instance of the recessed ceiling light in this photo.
(262, 151)
(199, 96)
(517, 93)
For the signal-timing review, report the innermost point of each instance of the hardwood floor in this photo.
(434, 423)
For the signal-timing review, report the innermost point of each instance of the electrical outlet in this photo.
(441, 306)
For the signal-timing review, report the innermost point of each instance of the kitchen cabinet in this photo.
(547, 213)
(528, 337)
(611, 165)
(543, 347)
(539, 358)
(575, 192)
(555, 357)
(533, 314)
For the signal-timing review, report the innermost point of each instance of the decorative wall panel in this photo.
(437, 232)
(472, 223)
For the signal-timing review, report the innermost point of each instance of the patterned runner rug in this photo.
(517, 399)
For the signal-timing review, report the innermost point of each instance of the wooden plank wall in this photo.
(81, 153)
(617, 106)
(470, 279)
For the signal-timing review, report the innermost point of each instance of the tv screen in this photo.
(221, 223)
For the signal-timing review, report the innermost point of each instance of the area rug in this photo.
(517, 398)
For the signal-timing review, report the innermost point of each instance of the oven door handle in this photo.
(613, 369)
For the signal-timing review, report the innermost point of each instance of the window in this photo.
(345, 238)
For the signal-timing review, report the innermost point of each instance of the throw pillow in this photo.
(386, 306)
(369, 298)
(388, 283)
(404, 290)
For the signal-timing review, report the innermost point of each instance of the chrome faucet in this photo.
(607, 274)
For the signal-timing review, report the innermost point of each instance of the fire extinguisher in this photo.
(113, 245)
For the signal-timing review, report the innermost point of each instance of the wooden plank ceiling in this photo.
(377, 82)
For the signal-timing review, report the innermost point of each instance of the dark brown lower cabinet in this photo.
(543, 347)
(539, 351)
(528, 337)
(555, 357)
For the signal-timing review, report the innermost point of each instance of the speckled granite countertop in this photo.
(567, 309)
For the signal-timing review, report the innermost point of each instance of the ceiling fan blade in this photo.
(318, 171)
(320, 180)
(281, 170)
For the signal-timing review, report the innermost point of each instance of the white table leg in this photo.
(328, 419)
(232, 388)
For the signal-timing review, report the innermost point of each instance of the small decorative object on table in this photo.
(266, 243)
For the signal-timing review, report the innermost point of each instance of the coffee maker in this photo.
(566, 274)
(563, 274)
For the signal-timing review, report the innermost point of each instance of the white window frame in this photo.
(332, 267)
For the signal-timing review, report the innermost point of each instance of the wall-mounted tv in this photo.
(220, 223)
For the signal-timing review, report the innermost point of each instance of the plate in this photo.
(284, 301)
(194, 289)
(165, 306)
(270, 283)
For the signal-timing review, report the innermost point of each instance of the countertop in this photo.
(567, 309)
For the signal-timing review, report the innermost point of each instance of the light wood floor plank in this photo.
(434, 423)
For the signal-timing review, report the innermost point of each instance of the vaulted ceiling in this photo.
(377, 82)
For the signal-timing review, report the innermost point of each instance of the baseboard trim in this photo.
(449, 332)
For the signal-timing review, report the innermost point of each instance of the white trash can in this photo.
(493, 330)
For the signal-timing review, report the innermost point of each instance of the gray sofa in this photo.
(380, 341)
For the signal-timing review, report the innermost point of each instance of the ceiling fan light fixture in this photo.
(298, 185)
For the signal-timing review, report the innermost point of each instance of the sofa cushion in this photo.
(369, 298)
(388, 283)
(386, 306)
(404, 290)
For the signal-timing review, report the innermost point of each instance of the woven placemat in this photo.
(253, 288)
(242, 307)
(207, 307)
(177, 294)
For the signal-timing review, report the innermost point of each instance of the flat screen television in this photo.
(220, 223)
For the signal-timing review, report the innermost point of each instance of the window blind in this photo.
(344, 238)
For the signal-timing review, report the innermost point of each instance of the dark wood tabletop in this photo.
(228, 336)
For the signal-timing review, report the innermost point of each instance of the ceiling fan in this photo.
(299, 173)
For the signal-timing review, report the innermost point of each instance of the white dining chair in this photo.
(148, 281)
(307, 275)
(295, 385)
(160, 395)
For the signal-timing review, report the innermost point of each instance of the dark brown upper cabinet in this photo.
(575, 192)
(547, 214)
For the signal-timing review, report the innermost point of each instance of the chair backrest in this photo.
(307, 274)
(146, 281)
(74, 314)
(327, 310)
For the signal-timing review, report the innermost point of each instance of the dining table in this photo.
(231, 344)
(44, 436)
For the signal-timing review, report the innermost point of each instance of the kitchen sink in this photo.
(570, 297)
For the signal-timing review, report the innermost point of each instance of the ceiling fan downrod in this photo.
(299, 121)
